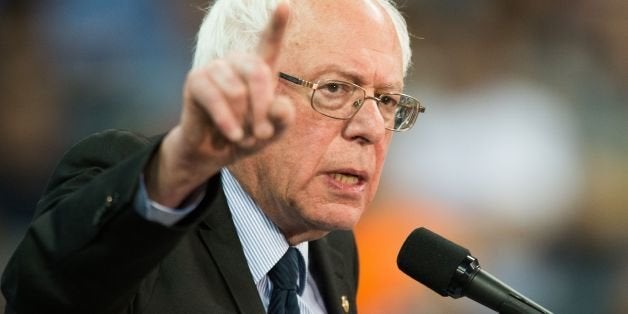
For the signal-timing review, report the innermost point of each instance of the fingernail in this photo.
(236, 134)
(247, 142)
(264, 130)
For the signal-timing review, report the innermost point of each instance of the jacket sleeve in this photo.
(87, 249)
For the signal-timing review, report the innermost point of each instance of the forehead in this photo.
(356, 35)
(345, 10)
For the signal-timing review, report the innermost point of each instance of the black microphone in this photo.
(450, 270)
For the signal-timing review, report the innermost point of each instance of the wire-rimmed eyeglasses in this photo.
(342, 100)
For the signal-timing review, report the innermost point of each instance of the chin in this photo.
(330, 217)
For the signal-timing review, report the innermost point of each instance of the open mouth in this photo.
(346, 178)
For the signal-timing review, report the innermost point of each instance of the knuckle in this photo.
(214, 65)
(193, 76)
(238, 92)
(194, 86)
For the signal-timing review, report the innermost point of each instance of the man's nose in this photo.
(367, 125)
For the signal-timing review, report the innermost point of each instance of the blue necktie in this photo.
(284, 275)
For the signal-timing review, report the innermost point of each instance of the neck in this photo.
(297, 238)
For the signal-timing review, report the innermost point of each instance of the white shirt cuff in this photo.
(159, 213)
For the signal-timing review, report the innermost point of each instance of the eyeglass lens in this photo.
(341, 100)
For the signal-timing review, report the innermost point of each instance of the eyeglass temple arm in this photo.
(296, 80)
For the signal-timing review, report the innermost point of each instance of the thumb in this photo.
(281, 113)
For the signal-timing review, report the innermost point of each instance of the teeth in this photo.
(345, 178)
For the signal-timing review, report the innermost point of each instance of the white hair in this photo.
(236, 25)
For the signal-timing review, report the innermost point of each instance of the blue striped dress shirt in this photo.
(261, 240)
(264, 245)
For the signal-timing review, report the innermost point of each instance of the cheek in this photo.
(311, 135)
(381, 151)
(298, 154)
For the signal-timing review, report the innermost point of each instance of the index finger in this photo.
(271, 39)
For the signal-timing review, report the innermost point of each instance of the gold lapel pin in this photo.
(345, 303)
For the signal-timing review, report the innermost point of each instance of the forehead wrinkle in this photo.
(370, 9)
(304, 41)
(354, 77)
(324, 12)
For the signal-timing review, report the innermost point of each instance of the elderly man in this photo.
(246, 204)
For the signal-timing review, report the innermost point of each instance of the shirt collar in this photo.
(262, 241)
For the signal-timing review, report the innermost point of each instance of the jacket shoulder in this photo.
(91, 157)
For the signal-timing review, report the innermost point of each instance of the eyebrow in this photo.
(357, 79)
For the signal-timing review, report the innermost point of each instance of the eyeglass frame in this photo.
(314, 86)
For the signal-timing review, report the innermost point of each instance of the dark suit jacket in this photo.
(88, 251)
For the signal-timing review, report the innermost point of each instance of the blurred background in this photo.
(522, 155)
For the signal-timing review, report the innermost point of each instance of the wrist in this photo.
(173, 174)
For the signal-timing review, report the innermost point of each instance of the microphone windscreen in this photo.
(430, 259)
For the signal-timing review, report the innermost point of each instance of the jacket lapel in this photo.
(328, 268)
(219, 235)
